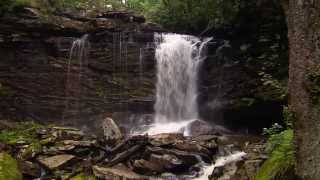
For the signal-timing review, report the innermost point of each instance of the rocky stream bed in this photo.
(51, 152)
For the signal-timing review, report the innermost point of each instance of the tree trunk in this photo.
(303, 18)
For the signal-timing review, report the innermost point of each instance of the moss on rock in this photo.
(31, 150)
(25, 132)
(82, 176)
(9, 168)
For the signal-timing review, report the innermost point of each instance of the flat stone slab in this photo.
(55, 161)
(116, 173)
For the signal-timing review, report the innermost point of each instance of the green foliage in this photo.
(273, 88)
(188, 15)
(25, 132)
(99, 5)
(288, 118)
(10, 5)
(9, 168)
(280, 165)
(280, 147)
(50, 6)
(82, 176)
(273, 130)
(33, 148)
(182, 15)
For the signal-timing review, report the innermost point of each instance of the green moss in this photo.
(25, 132)
(272, 89)
(9, 168)
(5, 91)
(82, 176)
(280, 165)
(244, 102)
(33, 148)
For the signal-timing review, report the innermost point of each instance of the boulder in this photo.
(251, 167)
(116, 173)
(79, 143)
(124, 155)
(128, 143)
(148, 167)
(55, 162)
(217, 172)
(5, 147)
(66, 147)
(188, 159)
(205, 137)
(199, 127)
(167, 160)
(111, 130)
(166, 139)
(191, 146)
(66, 133)
(158, 164)
(29, 169)
(69, 145)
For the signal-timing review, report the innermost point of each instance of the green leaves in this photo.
(23, 132)
(273, 88)
(9, 168)
(280, 164)
(188, 15)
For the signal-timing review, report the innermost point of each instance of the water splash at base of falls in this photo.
(170, 127)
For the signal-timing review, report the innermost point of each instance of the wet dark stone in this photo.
(217, 172)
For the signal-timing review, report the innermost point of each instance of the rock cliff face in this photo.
(41, 80)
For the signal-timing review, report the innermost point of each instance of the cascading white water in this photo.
(178, 60)
(221, 161)
(77, 59)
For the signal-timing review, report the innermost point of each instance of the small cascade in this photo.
(221, 161)
(141, 65)
(75, 72)
(179, 58)
(120, 77)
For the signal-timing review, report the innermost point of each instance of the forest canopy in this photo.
(180, 15)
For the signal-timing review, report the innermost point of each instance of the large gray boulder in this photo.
(111, 130)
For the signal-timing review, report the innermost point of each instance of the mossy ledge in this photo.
(9, 168)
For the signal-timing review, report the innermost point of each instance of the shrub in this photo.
(280, 165)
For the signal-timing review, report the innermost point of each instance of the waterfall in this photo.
(77, 59)
(179, 58)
